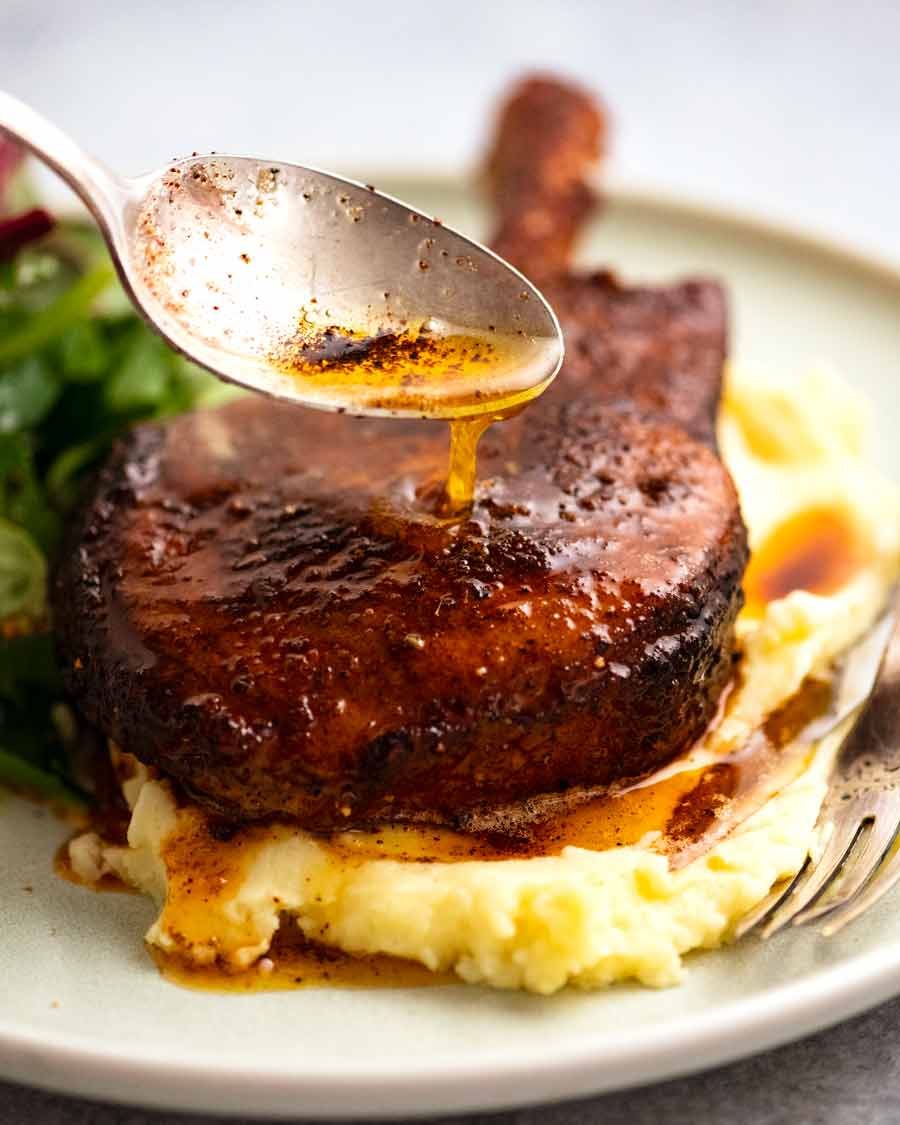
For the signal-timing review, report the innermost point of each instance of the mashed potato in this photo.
(581, 917)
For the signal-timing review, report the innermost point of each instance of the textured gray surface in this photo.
(845, 1076)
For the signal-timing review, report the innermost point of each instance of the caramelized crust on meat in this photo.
(260, 604)
(662, 348)
(259, 601)
(658, 349)
(549, 136)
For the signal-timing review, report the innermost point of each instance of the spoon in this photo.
(309, 287)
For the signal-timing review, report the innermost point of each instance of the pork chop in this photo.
(261, 601)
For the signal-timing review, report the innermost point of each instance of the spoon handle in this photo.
(102, 192)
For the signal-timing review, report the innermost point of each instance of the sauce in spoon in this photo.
(218, 252)
(430, 370)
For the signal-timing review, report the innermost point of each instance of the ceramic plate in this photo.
(83, 1010)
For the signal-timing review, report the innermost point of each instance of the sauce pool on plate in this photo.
(818, 550)
(683, 810)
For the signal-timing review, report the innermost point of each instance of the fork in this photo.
(860, 816)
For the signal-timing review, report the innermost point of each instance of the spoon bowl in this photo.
(293, 282)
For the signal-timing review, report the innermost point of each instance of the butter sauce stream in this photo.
(431, 370)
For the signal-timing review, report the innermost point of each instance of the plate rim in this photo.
(818, 1000)
(733, 1032)
(634, 193)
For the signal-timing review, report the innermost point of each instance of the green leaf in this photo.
(83, 354)
(62, 479)
(29, 507)
(201, 389)
(23, 498)
(15, 452)
(23, 573)
(142, 380)
(27, 661)
(32, 754)
(27, 393)
(77, 366)
(36, 271)
(47, 325)
(17, 773)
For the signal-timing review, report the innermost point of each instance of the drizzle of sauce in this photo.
(203, 863)
(818, 550)
(62, 867)
(107, 816)
(294, 961)
(685, 810)
(459, 490)
(594, 822)
(680, 812)
(431, 370)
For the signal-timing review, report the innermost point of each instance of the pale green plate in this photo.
(83, 1010)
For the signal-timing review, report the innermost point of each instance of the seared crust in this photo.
(660, 349)
(257, 603)
(549, 135)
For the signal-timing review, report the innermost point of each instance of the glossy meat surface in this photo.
(660, 350)
(264, 608)
(259, 600)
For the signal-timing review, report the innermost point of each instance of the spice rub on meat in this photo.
(259, 601)
(658, 349)
(260, 605)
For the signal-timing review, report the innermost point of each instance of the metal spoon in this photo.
(229, 258)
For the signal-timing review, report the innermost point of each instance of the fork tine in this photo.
(860, 867)
(763, 909)
(817, 877)
(881, 882)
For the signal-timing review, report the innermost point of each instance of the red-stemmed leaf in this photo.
(18, 230)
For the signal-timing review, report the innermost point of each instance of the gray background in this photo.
(790, 109)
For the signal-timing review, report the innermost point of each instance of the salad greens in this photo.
(77, 366)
